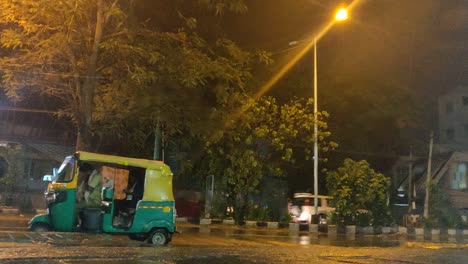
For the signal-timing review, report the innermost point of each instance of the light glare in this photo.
(341, 15)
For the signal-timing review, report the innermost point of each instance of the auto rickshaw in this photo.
(93, 192)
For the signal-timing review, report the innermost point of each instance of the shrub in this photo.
(356, 186)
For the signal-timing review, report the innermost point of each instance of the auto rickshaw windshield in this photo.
(65, 172)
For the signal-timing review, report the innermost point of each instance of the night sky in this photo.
(422, 44)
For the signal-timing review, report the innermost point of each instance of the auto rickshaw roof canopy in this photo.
(125, 161)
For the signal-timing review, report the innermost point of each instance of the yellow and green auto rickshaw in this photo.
(93, 192)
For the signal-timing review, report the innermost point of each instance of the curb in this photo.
(12, 211)
(9, 211)
(349, 230)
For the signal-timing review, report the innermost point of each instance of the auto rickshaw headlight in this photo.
(51, 197)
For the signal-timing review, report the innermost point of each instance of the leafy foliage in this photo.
(356, 187)
(114, 76)
(441, 212)
(56, 49)
(264, 141)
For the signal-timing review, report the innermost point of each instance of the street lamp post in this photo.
(340, 15)
(315, 132)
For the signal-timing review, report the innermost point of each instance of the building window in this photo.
(465, 100)
(450, 134)
(459, 177)
(449, 108)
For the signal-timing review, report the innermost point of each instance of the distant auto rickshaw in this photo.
(302, 208)
(93, 192)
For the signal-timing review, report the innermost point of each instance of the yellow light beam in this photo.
(265, 88)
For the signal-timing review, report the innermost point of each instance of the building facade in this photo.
(453, 119)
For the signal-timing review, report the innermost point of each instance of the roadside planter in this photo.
(435, 232)
(313, 228)
(365, 230)
(351, 230)
(272, 225)
(205, 221)
(332, 229)
(386, 230)
(419, 231)
(181, 219)
(402, 230)
(228, 221)
(251, 223)
(293, 227)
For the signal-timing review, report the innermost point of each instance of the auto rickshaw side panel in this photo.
(151, 215)
(156, 209)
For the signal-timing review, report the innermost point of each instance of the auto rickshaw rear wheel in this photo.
(158, 237)
(40, 227)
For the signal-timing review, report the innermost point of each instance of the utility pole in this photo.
(410, 181)
(428, 177)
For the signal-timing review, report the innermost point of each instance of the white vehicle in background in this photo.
(302, 208)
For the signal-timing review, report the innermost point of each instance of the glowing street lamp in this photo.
(341, 15)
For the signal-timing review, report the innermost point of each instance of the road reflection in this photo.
(306, 238)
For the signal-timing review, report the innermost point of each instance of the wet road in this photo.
(223, 245)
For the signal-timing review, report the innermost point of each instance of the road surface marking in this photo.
(44, 235)
(28, 236)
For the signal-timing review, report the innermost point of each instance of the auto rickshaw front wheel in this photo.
(40, 227)
(158, 237)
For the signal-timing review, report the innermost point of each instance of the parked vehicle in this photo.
(302, 208)
(93, 192)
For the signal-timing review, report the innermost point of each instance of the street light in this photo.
(341, 15)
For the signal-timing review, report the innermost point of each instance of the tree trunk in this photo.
(84, 139)
(240, 209)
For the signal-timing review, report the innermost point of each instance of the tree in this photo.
(264, 140)
(55, 50)
(354, 187)
(192, 89)
(116, 76)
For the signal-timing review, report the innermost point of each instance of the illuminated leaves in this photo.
(265, 140)
(356, 186)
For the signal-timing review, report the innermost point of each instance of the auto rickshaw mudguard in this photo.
(159, 224)
(40, 218)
